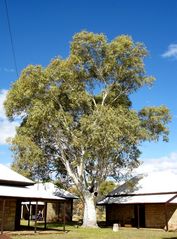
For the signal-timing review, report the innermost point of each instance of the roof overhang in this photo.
(146, 198)
(15, 183)
(26, 194)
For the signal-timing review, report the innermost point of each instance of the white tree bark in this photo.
(89, 219)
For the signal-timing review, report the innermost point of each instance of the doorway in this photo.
(139, 212)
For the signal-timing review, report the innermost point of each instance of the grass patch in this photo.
(74, 232)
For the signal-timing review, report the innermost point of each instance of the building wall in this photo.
(155, 216)
(55, 211)
(10, 214)
(172, 217)
(122, 214)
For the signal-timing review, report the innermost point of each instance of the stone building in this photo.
(55, 210)
(144, 201)
(15, 189)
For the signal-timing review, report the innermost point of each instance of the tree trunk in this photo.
(89, 219)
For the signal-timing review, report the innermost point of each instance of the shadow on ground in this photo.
(4, 236)
(169, 238)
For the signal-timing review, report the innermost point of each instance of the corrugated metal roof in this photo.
(27, 193)
(139, 199)
(163, 186)
(53, 189)
(10, 177)
(14, 185)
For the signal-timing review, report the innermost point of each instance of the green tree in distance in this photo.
(77, 117)
(106, 187)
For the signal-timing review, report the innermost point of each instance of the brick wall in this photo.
(10, 213)
(155, 215)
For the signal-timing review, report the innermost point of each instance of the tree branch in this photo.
(105, 94)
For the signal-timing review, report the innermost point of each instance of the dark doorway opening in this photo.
(18, 215)
(139, 212)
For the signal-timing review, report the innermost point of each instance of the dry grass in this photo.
(100, 233)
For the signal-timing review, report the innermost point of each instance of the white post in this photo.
(22, 211)
(115, 227)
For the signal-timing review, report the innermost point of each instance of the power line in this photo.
(11, 38)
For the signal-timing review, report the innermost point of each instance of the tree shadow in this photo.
(4, 236)
(169, 238)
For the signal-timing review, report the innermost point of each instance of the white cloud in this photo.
(3, 94)
(164, 164)
(171, 52)
(7, 129)
(8, 70)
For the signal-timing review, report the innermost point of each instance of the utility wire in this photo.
(11, 38)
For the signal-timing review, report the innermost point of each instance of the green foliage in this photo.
(106, 187)
(76, 113)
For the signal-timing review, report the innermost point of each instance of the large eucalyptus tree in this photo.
(77, 117)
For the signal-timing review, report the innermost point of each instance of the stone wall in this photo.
(55, 211)
(172, 217)
(122, 214)
(155, 215)
(9, 215)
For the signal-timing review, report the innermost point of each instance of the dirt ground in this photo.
(4, 236)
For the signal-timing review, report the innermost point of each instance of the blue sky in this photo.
(43, 29)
